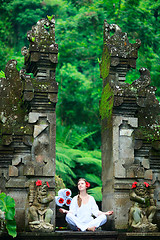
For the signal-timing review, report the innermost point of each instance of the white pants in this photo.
(74, 222)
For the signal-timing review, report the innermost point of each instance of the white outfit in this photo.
(81, 217)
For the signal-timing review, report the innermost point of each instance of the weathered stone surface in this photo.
(27, 117)
(29, 169)
(148, 174)
(130, 122)
(13, 171)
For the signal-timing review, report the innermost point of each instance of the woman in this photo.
(82, 209)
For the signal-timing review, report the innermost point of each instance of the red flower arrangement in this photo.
(147, 184)
(88, 184)
(61, 200)
(67, 193)
(134, 185)
(68, 201)
(47, 184)
(38, 183)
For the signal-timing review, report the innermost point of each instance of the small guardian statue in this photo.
(143, 209)
(40, 215)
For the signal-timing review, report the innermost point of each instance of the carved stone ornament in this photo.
(143, 209)
(40, 215)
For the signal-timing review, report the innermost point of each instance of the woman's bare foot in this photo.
(91, 229)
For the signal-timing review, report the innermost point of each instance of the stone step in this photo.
(75, 235)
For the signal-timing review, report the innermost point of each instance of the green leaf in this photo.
(11, 227)
(2, 196)
(2, 74)
(2, 206)
(9, 201)
(9, 214)
(33, 39)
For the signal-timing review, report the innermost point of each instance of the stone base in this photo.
(75, 235)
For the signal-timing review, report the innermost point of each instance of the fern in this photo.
(89, 161)
(62, 157)
(92, 178)
(76, 140)
(65, 172)
(96, 193)
(73, 163)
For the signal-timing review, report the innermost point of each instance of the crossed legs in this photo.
(75, 224)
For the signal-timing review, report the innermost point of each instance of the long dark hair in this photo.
(79, 199)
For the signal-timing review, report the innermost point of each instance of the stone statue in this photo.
(40, 215)
(143, 209)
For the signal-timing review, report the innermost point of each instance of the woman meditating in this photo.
(82, 209)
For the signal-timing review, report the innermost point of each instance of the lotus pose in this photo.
(82, 209)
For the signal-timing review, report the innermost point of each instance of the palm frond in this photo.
(96, 193)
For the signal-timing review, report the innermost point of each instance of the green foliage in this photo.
(71, 163)
(7, 205)
(2, 74)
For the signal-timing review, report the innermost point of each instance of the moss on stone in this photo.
(105, 63)
(106, 104)
(148, 133)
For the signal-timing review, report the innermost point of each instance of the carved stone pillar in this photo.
(129, 115)
(28, 119)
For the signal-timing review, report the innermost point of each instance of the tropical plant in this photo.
(7, 205)
(73, 163)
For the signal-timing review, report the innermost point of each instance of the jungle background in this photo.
(79, 34)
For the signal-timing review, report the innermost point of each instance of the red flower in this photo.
(134, 185)
(88, 184)
(147, 184)
(68, 201)
(67, 193)
(38, 183)
(47, 184)
(61, 200)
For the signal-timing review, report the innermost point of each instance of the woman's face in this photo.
(81, 185)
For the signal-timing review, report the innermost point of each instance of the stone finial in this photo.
(118, 44)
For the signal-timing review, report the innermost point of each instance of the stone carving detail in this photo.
(27, 116)
(143, 209)
(40, 215)
(130, 123)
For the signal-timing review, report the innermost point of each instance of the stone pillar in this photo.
(27, 150)
(129, 116)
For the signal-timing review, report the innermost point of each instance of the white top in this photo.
(85, 211)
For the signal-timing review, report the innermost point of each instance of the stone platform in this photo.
(67, 235)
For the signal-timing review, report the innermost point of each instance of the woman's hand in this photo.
(109, 213)
(61, 210)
